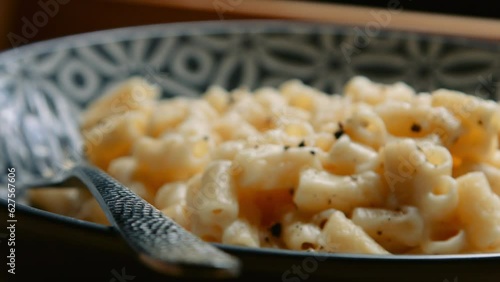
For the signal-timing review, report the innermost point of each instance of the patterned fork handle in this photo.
(160, 242)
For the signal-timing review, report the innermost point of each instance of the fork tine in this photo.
(57, 109)
(3, 168)
(50, 121)
(43, 149)
(39, 106)
(72, 140)
(39, 143)
(5, 115)
(16, 151)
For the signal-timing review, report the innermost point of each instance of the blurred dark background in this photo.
(78, 16)
(461, 8)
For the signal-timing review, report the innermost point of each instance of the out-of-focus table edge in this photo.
(79, 16)
(8, 10)
(70, 17)
(394, 16)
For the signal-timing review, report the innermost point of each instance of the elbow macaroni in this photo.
(377, 170)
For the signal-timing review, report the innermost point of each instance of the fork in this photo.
(40, 139)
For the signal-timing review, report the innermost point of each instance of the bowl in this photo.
(185, 59)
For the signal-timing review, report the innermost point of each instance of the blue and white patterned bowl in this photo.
(184, 59)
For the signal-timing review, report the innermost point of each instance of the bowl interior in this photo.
(187, 58)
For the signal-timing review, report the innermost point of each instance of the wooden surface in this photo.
(7, 12)
(392, 16)
(78, 16)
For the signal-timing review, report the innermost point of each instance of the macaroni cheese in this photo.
(379, 169)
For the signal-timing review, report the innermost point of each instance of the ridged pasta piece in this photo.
(480, 122)
(361, 89)
(171, 158)
(411, 170)
(218, 98)
(167, 115)
(232, 126)
(319, 190)
(179, 213)
(491, 172)
(302, 96)
(270, 99)
(366, 127)
(441, 202)
(300, 233)
(285, 164)
(479, 211)
(341, 235)
(214, 203)
(452, 245)
(170, 194)
(134, 94)
(396, 231)
(347, 157)
(114, 138)
(417, 121)
(241, 233)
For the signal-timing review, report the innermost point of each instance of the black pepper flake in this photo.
(205, 138)
(339, 132)
(312, 152)
(267, 239)
(302, 144)
(480, 122)
(379, 232)
(276, 230)
(354, 178)
(256, 146)
(286, 147)
(291, 191)
(416, 127)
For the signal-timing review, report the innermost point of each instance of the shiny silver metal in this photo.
(47, 152)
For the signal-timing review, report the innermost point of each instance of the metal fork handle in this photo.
(161, 243)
